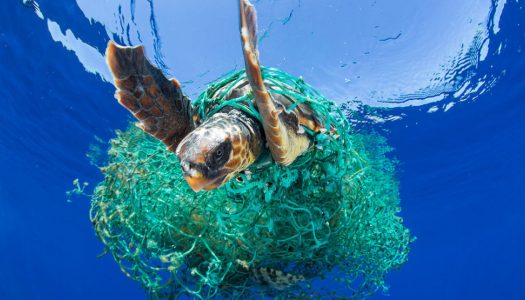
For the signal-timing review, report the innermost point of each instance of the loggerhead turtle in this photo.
(213, 151)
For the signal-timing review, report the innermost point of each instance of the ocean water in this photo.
(446, 82)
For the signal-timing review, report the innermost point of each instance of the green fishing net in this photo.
(272, 231)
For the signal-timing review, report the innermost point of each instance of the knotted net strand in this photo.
(333, 212)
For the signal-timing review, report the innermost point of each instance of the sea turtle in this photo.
(213, 151)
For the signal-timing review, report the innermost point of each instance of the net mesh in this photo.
(333, 212)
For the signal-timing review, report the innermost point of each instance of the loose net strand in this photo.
(333, 212)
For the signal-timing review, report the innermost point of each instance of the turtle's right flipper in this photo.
(282, 137)
(158, 103)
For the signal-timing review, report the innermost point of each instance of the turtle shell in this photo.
(296, 99)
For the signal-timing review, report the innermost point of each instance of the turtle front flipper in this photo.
(158, 103)
(280, 126)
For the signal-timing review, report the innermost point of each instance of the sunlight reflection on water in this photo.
(378, 54)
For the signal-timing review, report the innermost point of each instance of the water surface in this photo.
(452, 76)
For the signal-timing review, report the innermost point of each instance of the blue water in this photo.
(449, 77)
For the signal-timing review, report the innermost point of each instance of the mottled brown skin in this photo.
(228, 142)
(158, 103)
(285, 140)
(210, 154)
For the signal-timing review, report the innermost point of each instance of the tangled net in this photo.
(332, 212)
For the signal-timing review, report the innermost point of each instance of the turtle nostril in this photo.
(186, 166)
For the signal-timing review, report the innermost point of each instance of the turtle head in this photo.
(217, 150)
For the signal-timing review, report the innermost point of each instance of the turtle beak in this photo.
(197, 183)
(193, 176)
(196, 180)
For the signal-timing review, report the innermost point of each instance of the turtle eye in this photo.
(219, 156)
(219, 153)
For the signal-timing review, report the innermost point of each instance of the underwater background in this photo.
(448, 77)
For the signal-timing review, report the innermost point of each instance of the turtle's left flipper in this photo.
(158, 103)
(280, 127)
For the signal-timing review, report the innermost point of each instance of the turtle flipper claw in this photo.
(158, 103)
